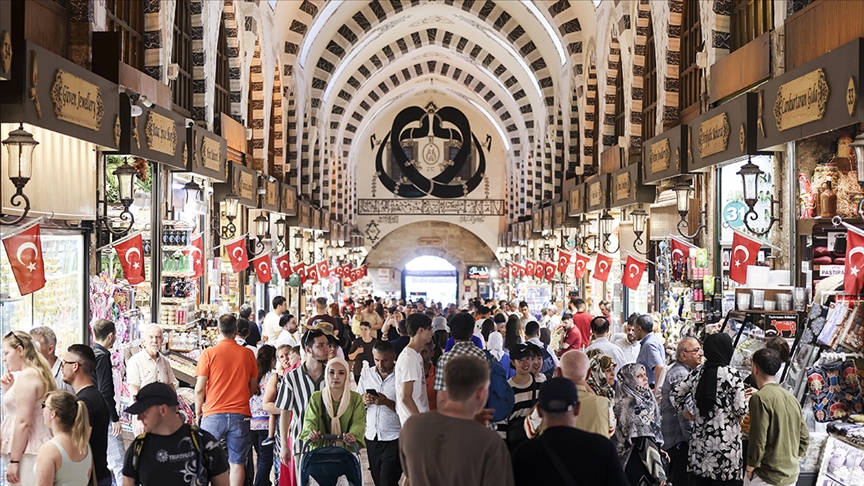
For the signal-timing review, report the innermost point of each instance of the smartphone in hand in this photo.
(372, 391)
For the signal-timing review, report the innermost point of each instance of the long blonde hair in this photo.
(71, 417)
(32, 358)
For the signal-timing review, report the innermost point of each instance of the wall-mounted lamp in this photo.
(584, 234)
(750, 174)
(281, 224)
(298, 244)
(606, 223)
(20, 145)
(125, 186)
(683, 194)
(639, 217)
(194, 192)
(232, 206)
(262, 229)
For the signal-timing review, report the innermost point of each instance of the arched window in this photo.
(181, 88)
(222, 101)
(749, 20)
(620, 110)
(690, 77)
(127, 17)
(649, 87)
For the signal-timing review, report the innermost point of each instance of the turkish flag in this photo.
(854, 275)
(680, 250)
(346, 270)
(312, 274)
(197, 255)
(517, 270)
(24, 251)
(131, 253)
(529, 267)
(581, 264)
(300, 270)
(262, 268)
(323, 269)
(504, 272)
(549, 270)
(364, 271)
(539, 269)
(338, 271)
(602, 267)
(283, 265)
(744, 252)
(564, 258)
(237, 254)
(633, 271)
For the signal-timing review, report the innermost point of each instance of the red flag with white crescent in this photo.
(283, 265)
(633, 270)
(237, 254)
(602, 267)
(364, 271)
(504, 272)
(549, 270)
(131, 254)
(744, 252)
(338, 271)
(300, 270)
(539, 269)
(197, 256)
(680, 250)
(529, 267)
(24, 251)
(581, 264)
(262, 268)
(312, 274)
(564, 258)
(346, 270)
(853, 278)
(323, 269)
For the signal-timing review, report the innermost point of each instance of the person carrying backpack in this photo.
(550, 361)
(169, 448)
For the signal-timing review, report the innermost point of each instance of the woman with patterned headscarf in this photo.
(602, 377)
(638, 438)
(715, 444)
(335, 409)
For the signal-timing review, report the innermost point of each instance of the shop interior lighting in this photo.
(20, 146)
(683, 193)
(125, 185)
(750, 174)
(232, 206)
(606, 223)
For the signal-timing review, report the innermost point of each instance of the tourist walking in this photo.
(411, 397)
(601, 380)
(462, 330)
(638, 438)
(46, 341)
(260, 422)
(676, 426)
(651, 352)
(599, 331)
(66, 459)
(361, 350)
(335, 410)
(594, 410)
(104, 336)
(149, 366)
(378, 385)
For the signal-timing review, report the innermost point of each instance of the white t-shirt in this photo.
(409, 367)
(271, 327)
(286, 337)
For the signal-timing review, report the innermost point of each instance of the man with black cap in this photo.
(170, 451)
(563, 453)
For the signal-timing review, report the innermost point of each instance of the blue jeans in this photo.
(265, 458)
(233, 429)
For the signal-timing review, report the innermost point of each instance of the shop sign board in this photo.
(478, 272)
(627, 189)
(288, 202)
(831, 270)
(576, 201)
(207, 154)
(157, 134)
(816, 97)
(325, 220)
(316, 218)
(665, 155)
(243, 182)
(270, 200)
(537, 220)
(429, 241)
(304, 215)
(54, 93)
(547, 219)
(725, 134)
(598, 193)
(558, 215)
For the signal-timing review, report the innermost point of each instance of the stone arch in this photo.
(643, 21)
(276, 165)
(459, 245)
(671, 82)
(613, 70)
(255, 108)
(229, 16)
(588, 148)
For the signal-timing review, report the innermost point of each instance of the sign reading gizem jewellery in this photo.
(802, 100)
(77, 101)
(161, 133)
(665, 155)
(816, 97)
(713, 135)
(598, 193)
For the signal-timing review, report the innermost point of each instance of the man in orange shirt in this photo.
(227, 377)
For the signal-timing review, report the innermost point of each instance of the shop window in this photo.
(181, 88)
(127, 18)
(649, 88)
(750, 19)
(690, 79)
(620, 110)
(222, 101)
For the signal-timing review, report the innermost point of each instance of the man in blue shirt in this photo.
(651, 355)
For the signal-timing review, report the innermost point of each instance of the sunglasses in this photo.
(17, 339)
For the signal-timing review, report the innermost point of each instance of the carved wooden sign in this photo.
(161, 133)
(316, 218)
(595, 194)
(210, 156)
(77, 101)
(547, 218)
(289, 201)
(713, 135)
(537, 221)
(660, 156)
(558, 215)
(802, 100)
(623, 185)
(577, 200)
(245, 185)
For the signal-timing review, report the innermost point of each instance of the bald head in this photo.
(575, 366)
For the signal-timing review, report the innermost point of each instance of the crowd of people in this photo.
(488, 395)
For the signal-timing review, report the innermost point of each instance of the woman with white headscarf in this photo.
(336, 409)
(495, 345)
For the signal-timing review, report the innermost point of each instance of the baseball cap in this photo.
(150, 395)
(558, 395)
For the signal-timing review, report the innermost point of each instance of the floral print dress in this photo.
(715, 444)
